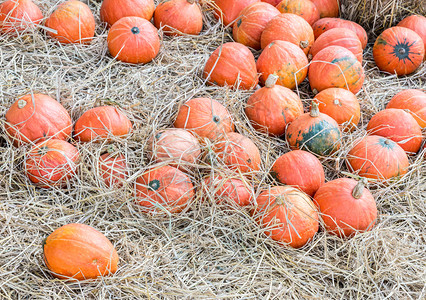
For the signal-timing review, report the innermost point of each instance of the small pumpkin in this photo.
(377, 157)
(73, 22)
(227, 11)
(18, 15)
(51, 163)
(232, 64)
(346, 207)
(413, 101)
(251, 22)
(417, 23)
(327, 8)
(284, 59)
(133, 40)
(113, 10)
(303, 8)
(100, 123)
(80, 252)
(35, 118)
(287, 214)
(398, 50)
(205, 118)
(314, 131)
(272, 107)
(113, 168)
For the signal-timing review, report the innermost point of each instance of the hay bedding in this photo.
(210, 251)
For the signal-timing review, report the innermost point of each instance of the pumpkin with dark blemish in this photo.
(227, 11)
(327, 8)
(412, 101)
(113, 10)
(416, 23)
(303, 8)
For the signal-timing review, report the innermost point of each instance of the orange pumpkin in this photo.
(178, 17)
(35, 118)
(73, 22)
(284, 59)
(113, 168)
(377, 157)
(341, 105)
(164, 189)
(413, 101)
(113, 10)
(51, 163)
(327, 8)
(335, 66)
(300, 169)
(133, 40)
(272, 2)
(288, 215)
(80, 252)
(346, 207)
(251, 22)
(417, 23)
(232, 64)
(398, 126)
(272, 107)
(100, 123)
(204, 117)
(398, 50)
(227, 11)
(18, 15)
(303, 8)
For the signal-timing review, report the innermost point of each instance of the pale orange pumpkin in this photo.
(18, 15)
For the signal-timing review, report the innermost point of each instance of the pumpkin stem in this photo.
(304, 44)
(310, 56)
(111, 149)
(315, 91)
(271, 81)
(314, 110)
(359, 188)
(135, 30)
(336, 102)
(22, 103)
(401, 51)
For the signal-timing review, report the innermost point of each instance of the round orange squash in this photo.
(80, 252)
(232, 64)
(113, 10)
(413, 101)
(327, 8)
(133, 40)
(227, 11)
(18, 15)
(303, 8)
(113, 168)
(73, 22)
(417, 23)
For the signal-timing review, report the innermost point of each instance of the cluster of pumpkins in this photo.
(299, 38)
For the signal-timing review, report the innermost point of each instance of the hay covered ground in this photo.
(209, 252)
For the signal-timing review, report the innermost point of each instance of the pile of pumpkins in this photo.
(299, 39)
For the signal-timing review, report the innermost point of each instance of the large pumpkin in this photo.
(251, 22)
(272, 107)
(413, 101)
(232, 64)
(113, 10)
(113, 168)
(338, 67)
(287, 214)
(133, 40)
(204, 117)
(377, 157)
(284, 59)
(100, 123)
(228, 11)
(304, 8)
(314, 131)
(398, 126)
(51, 163)
(300, 169)
(327, 8)
(73, 22)
(416, 23)
(164, 189)
(398, 50)
(346, 207)
(36, 117)
(18, 15)
(80, 252)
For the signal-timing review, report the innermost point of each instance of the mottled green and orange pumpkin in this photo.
(412, 101)
(113, 10)
(227, 11)
(19, 15)
(303, 8)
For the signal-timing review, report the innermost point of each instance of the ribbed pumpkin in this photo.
(416, 23)
(341, 105)
(113, 10)
(164, 189)
(322, 25)
(291, 28)
(398, 50)
(398, 126)
(327, 8)
(178, 17)
(80, 252)
(413, 101)
(100, 123)
(113, 168)
(51, 163)
(133, 40)
(251, 22)
(227, 11)
(205, 118)
(346, 207)
(300, 169)
(284, 59)
(303, 8)
(287, 214)
(377, 157)
(272, 107)
(338, 37)
(73, 22)
(232, 64)
(36, 117)
(314, 131)
(18, 15)
(338, 67)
